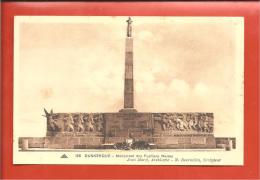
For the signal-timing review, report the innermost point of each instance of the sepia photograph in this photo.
(121, 90)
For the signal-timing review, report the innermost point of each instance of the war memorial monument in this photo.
(138, 130)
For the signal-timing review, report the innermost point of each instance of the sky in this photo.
(76, 64)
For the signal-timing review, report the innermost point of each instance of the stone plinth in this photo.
(128, 110)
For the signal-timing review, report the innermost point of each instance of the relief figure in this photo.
(69, 123)
(99, 124)
(52, 124)
(89, 123)
(80, 123)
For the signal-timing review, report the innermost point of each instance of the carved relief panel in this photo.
(184, 122)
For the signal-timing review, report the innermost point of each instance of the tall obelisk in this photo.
(129, 80)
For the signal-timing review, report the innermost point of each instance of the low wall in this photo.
(33, 142)
(186, 142)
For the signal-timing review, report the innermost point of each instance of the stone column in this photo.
(129, 82)
(129, 78)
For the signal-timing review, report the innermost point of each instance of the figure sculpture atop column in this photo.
(129, 27)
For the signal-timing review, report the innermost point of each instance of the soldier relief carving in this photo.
(199, 122)
(74, 122)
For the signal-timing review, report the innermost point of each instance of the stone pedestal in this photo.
(128, 110)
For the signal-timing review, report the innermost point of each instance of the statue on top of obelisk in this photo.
(129, 27)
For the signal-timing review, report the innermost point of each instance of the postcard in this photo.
(118, 90)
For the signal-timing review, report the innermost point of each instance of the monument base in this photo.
(163, 130)
(128, 110)
(83, 142)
